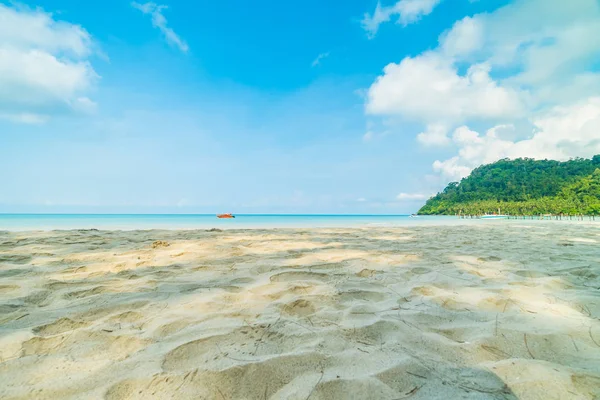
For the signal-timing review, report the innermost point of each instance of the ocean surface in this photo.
(198, 221)
(24, 222)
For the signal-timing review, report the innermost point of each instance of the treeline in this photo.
(523, 187)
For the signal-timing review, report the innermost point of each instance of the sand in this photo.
(501, 310)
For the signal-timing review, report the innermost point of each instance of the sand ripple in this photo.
(473, 312)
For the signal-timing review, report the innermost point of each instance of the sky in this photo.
(345, 107)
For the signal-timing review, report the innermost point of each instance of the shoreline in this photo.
(242, 224)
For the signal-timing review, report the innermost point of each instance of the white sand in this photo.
(496, 311)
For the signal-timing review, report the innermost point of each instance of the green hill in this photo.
(523, 187)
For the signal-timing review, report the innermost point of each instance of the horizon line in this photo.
(214, 214)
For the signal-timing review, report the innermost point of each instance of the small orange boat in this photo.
(225, 215)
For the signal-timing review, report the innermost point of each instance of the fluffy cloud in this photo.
(429, 88)
(159, 21)
(531, 62)
(560, 134)
(23, 28)
(408, 12)
(465, 37)
(43, 65)
(549, 43)
(435, 135)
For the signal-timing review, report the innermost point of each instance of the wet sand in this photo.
(494, 311)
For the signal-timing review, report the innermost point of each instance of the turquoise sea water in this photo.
(25, 222)
(202, 221)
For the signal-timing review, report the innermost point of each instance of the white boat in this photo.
(494, 216)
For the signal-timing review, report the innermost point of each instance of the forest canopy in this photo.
(523, 186)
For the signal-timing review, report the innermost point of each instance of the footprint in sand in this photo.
(420, 270)
(15, 258)
(238, 381)
(489, 258)
(74, 270)
(8, 288)
(299, 276)
(85, 345)
(9, 273)
(87, 292)
(38, 346)
(6, 309)
(249, 343)
(583, 272)
(529, 273)
(426, 291)
(242, 281)
(127, 317)
(58, 285)
(366, 273)
(101, 312)
(171, 328)
(587, 384)
(40, 298)
(60, 326)
(299, 307)
(352, 296)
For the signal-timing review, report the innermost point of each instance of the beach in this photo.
(486, 310)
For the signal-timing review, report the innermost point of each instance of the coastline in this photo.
(132, 222)
(487, 310)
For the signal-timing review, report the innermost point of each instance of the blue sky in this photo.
(343, 107)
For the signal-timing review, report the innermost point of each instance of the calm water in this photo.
(192, 221)
(20, 222)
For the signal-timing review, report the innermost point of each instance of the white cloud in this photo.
(370, 23)
(43, 64)
(367, 137)
(435, 135)
(548, 41)
(531, 62)
(34, 29)
(159, 21)
(561, 133)
(465, 37)
(412, 196)
(319, 58)
(451, 168)
(428, 88)
(361, 199)
(408, 12)
(463, 135)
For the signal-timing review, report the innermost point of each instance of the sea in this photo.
(25, 222)
(29, 222)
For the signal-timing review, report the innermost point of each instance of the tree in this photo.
(523, 186)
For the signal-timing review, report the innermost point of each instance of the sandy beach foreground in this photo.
(496, 311)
